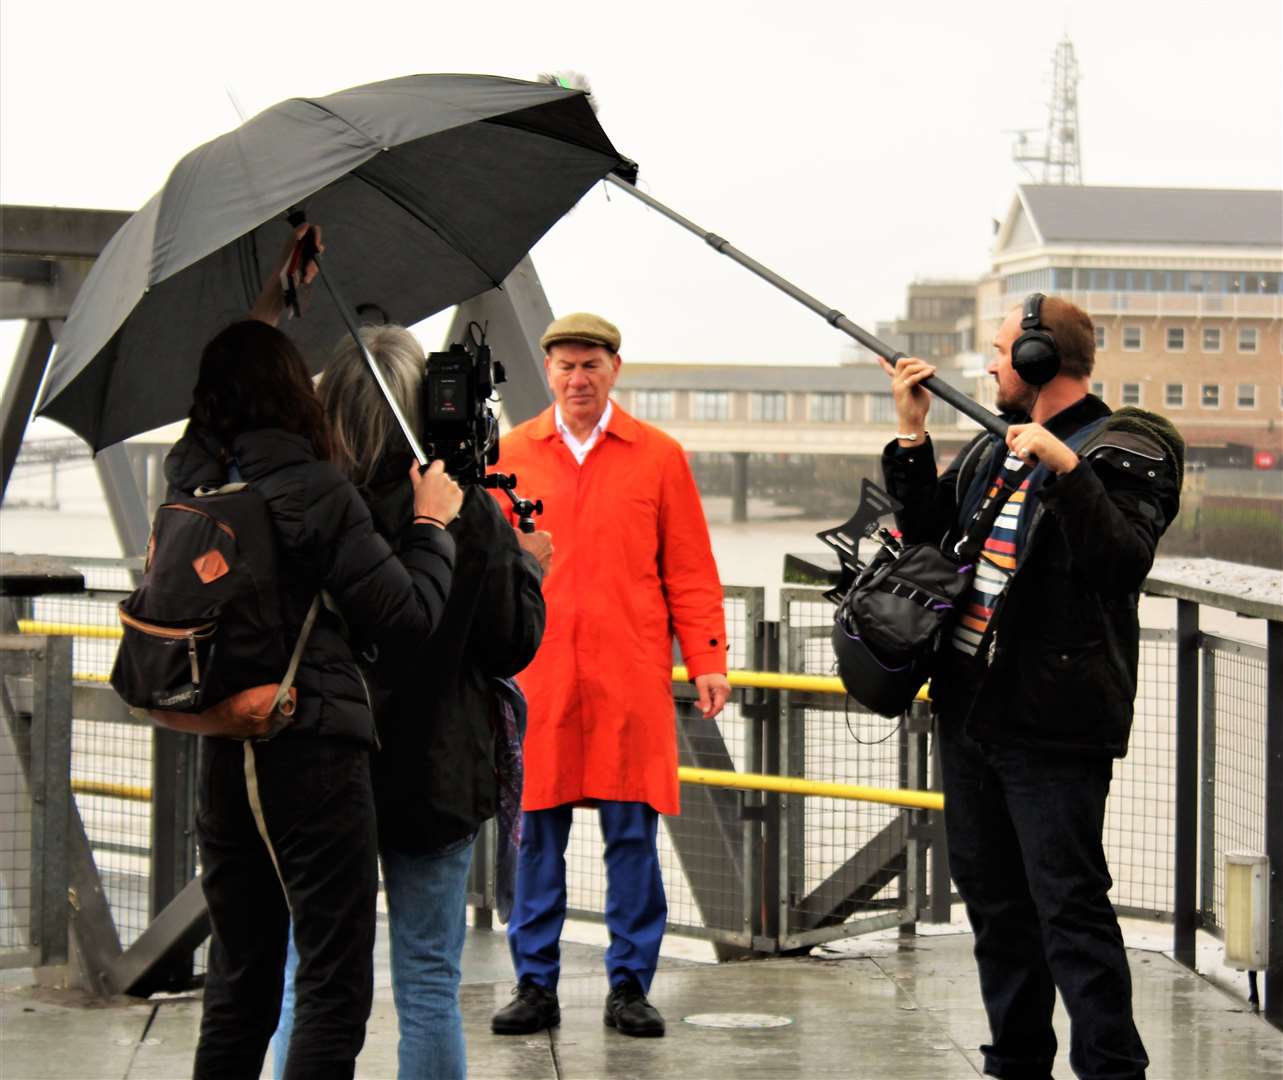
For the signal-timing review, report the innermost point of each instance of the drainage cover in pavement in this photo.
(737, 1020)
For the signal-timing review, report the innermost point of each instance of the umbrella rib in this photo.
(392, 196)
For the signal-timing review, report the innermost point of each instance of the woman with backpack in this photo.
(286, 827)
(438, 703)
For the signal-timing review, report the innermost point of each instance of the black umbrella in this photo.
(429, 188)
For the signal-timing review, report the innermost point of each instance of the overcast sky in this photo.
(850, 146)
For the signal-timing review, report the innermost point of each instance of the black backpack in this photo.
(204, 647)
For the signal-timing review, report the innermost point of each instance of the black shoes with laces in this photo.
(532, 1009)
(628, 1011)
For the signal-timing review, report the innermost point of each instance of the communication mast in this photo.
(1059, 153)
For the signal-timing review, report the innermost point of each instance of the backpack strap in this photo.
(288, 680)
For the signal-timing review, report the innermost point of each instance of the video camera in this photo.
(459, 427)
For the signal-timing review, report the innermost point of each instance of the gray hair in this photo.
(364, 430)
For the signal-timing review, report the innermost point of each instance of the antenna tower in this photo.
(1059, 153)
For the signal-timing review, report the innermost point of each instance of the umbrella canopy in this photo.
(429, 189)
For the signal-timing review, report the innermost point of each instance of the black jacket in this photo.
(434, 778)
(327, 541)
(1057, 667)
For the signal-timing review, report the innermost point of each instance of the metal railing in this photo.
(804, 818)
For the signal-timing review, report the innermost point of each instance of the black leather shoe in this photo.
(628, 1011)
(532, 1009)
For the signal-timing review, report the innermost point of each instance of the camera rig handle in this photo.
(525, 509)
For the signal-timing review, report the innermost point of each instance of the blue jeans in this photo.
(427, 923)
(636, 908)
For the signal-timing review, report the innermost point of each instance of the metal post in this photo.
(1185, 903)
(20, 393)
(1207, 794)
(739, 485)
(50, 796)
(1274, 816)
(173, 852)
(941, 882)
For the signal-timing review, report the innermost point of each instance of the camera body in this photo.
(459, 427)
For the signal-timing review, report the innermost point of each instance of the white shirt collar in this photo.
(580, 449)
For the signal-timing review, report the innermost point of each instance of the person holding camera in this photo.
(634, 566)
(286, 826)
(1033, 694)
(437, 700)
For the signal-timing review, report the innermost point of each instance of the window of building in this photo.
(1131, 338)
(653, 404)
(881, 409)
(1100, 338)
(1211, 397)
(1247, 339)
(768, 406)
(1131, 393)
(710, 405)
(1211, 339)
(1174, 395)
(828, 408)
(1176, 339)
(1098, 388)
(1246, 396)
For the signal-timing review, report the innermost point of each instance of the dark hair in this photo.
(252, 376)
(1074, 334)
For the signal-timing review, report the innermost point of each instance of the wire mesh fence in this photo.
(1234, 682)
(844, 858)
(841, 863)
(1140, 813)
(15, 831)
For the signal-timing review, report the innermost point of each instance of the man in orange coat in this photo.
(633, 567)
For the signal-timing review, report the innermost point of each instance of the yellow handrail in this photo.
(781, 680)
(787, 785)
(59, 629)
(762, 680)
(791, 785)
(115, 791)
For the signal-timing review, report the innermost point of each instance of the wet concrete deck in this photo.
(884, 1007)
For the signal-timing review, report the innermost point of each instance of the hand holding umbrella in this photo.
(297, 267)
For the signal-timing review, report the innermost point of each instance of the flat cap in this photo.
(582, 326)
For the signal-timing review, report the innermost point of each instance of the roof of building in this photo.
(852, 379)
(1225, 217)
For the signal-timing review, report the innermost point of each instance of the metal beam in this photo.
(56, 231)
(850, 888)
(125, 502)
(708, 834)
(170, 938)
(48, 299)
(514, 317)
(20, 394)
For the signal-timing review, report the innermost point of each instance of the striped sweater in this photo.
(996, 562)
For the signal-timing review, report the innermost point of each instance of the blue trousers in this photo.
(636, 908)
(427, 922)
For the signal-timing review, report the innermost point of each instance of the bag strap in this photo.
(287, 681)
(981, 524)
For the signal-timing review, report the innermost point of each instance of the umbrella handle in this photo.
(345, 313)
(935, 384)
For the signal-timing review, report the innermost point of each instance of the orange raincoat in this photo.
(632, 567)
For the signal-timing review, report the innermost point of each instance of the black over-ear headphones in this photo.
(1034, 356)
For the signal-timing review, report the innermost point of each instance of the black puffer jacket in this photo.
(1057, 668)
(327, 541)
(434, 778)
